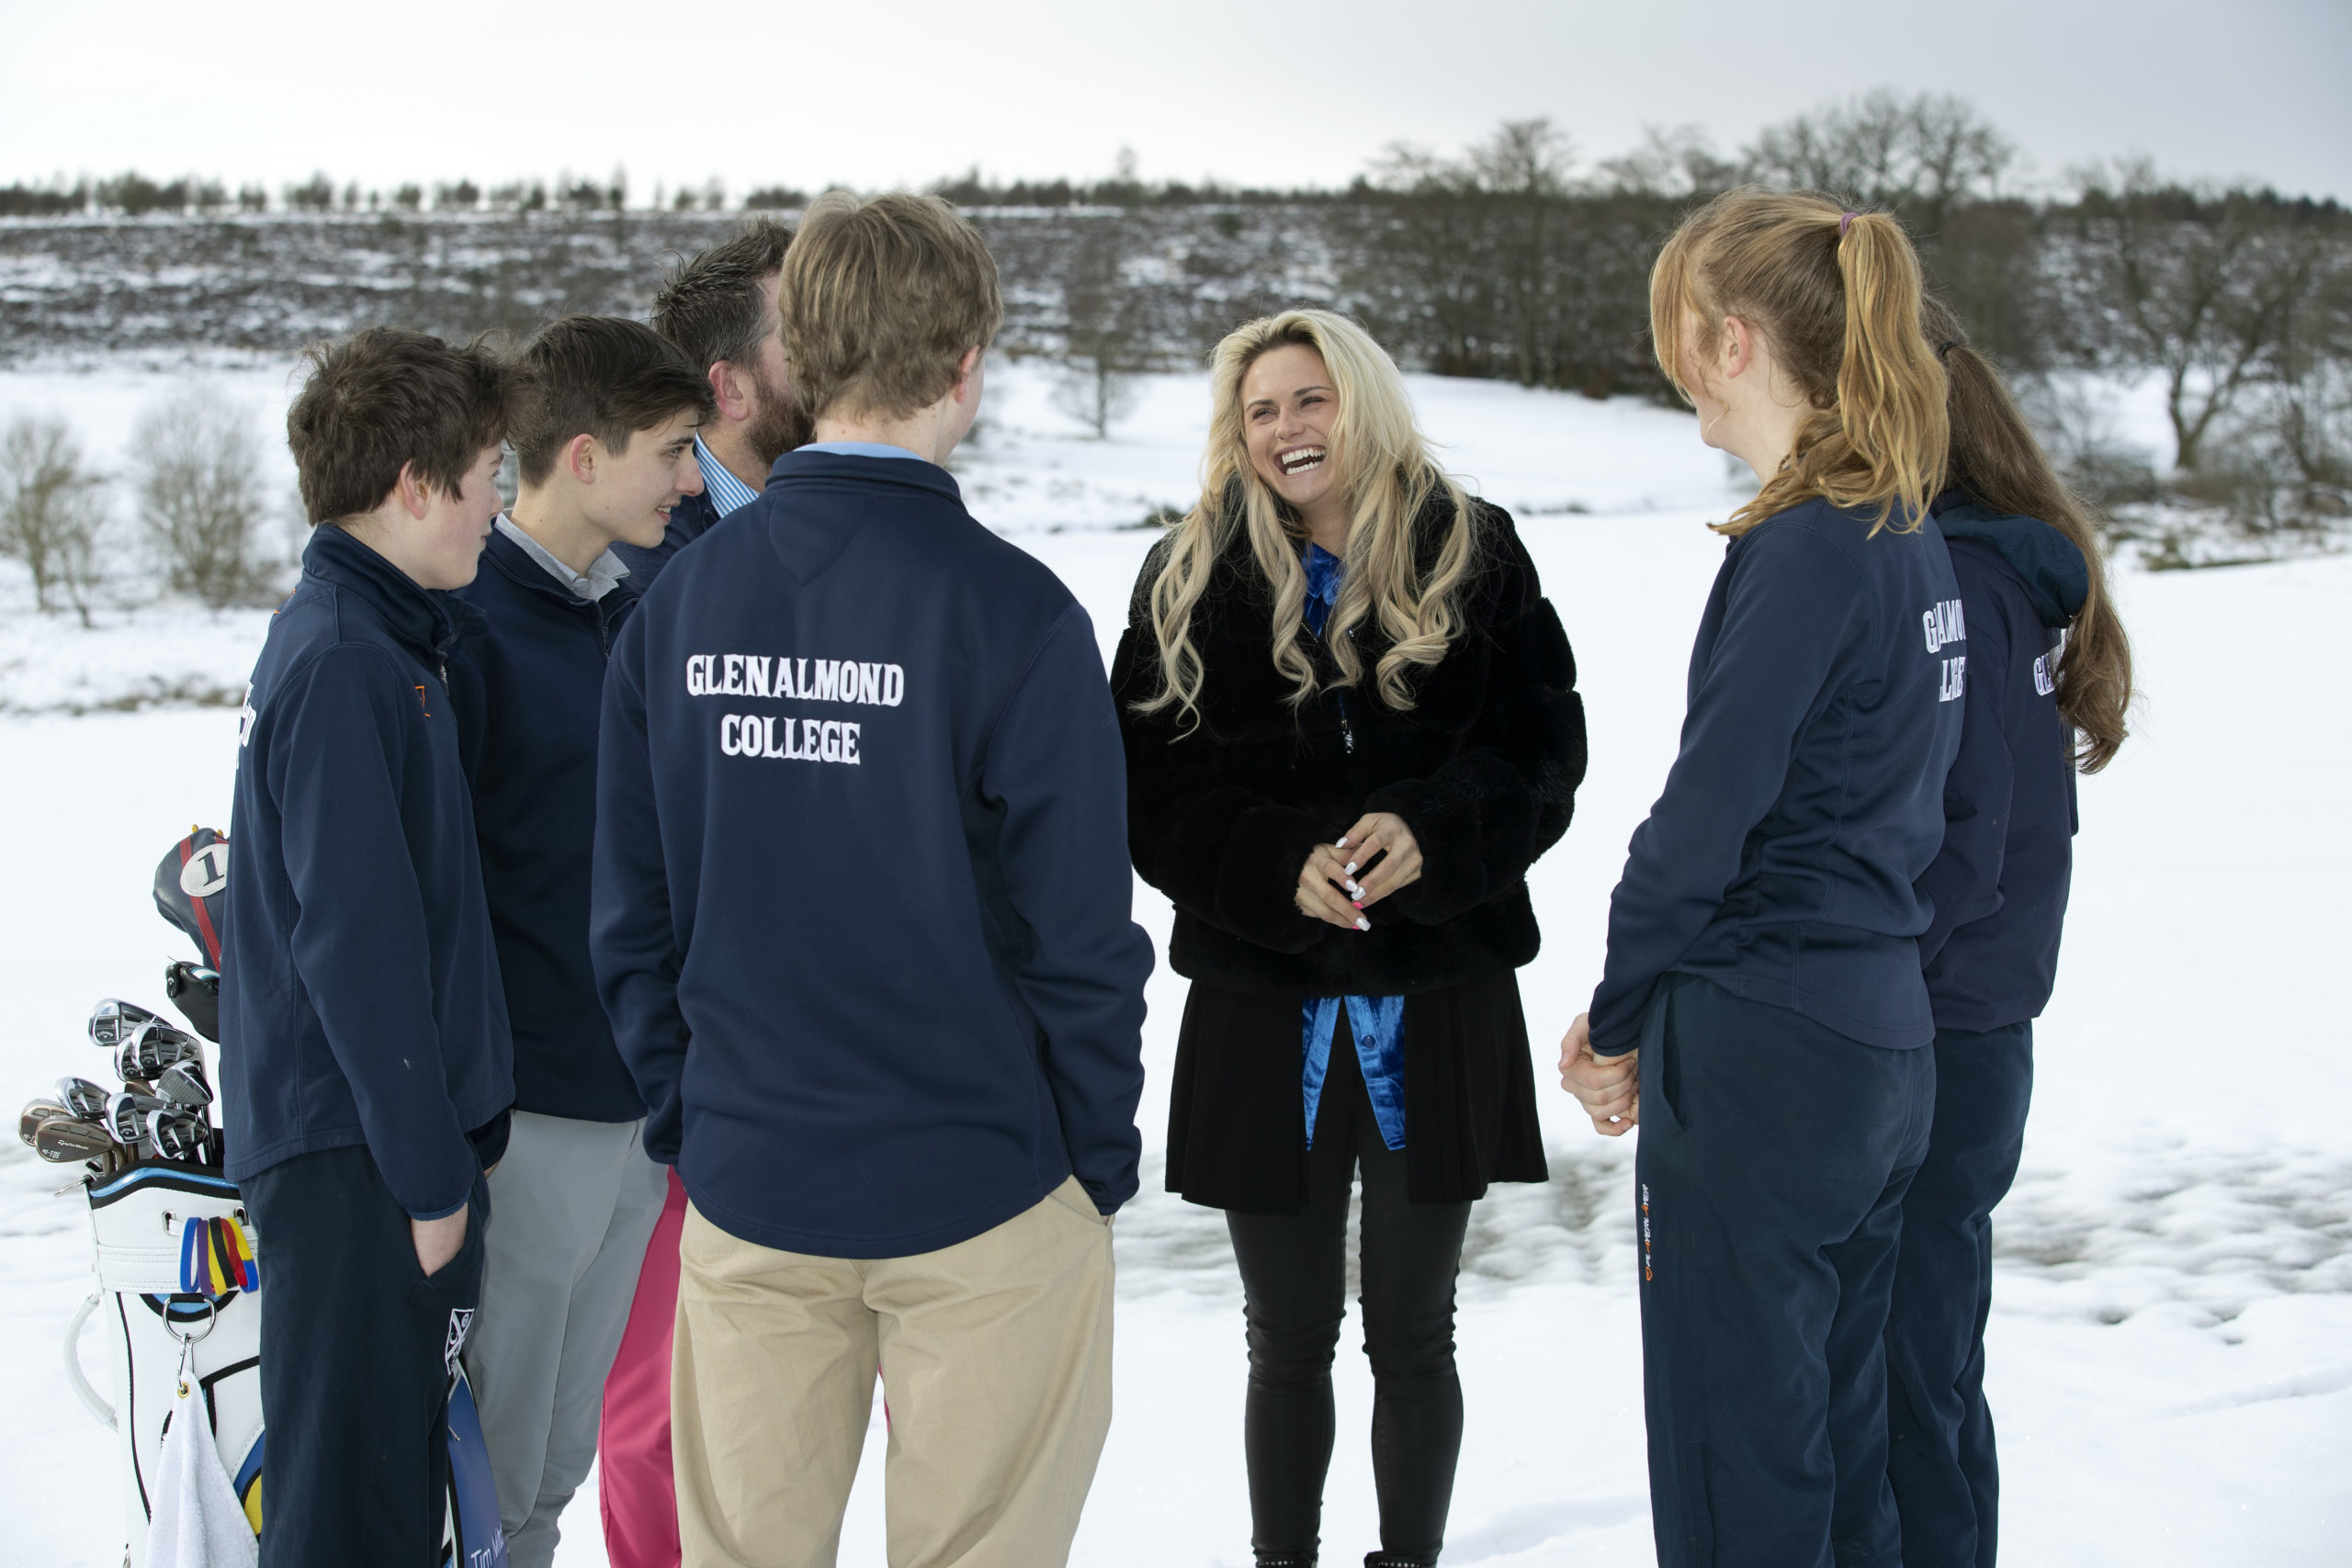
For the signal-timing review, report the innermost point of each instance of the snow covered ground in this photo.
(2172, 1344)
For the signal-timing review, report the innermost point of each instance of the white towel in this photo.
(197, 1522)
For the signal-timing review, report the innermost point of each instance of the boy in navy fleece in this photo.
(606, 412)
(366, 1067)
(861, 921)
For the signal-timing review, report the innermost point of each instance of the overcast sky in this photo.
(876, 92)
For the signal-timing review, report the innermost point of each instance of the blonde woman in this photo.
(1352, 725)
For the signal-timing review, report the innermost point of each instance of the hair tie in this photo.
(1846, 223)
(1943, 349)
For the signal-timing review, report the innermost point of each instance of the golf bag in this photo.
(180, 1276)
(176, 1274)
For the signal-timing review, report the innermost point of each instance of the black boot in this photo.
(1283, 1559)
(1391, 1560)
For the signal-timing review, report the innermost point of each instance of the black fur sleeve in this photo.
(1217, 849)
(1484, 817)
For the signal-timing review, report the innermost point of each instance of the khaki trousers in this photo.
(995, 1356)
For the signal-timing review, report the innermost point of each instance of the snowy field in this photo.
(2171, 1349)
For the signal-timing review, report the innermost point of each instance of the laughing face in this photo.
(1287, 410)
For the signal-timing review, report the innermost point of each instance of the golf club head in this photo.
(153, 1047)
(126, 1115)
(113, 1022)
(183, 1084)
(179, 1135)
(35, 1112)
(64, 1139)
(83, 1097)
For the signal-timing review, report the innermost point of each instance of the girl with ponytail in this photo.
(2049, 681)
(1761, 1011)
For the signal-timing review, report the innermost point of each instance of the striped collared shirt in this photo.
(726, 492)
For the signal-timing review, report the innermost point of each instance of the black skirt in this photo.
(1237, 1132)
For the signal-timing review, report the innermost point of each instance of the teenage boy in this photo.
(862, 923)
(719, 309)
(604, 416)
(367, 1069)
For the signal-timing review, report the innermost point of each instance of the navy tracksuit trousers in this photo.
(355, 1350)
(1774, 1157)
(1941, 1458)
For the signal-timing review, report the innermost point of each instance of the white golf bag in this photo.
(147, 1253)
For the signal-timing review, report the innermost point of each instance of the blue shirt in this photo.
(1376, 1022)
(725, 492)
(861, 449)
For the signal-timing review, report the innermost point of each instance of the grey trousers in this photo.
(574, 1203)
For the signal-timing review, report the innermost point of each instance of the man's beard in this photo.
(780, 425)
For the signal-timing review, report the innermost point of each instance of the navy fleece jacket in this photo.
(359, 991)
(1825, 707)
(1999, 884)
(862, 895)
(529, 684)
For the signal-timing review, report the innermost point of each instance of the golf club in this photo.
(153, 1047)
(83, 1097)
(63, 1139)
(179, 1135)
(113, 1022)
(183, 1084)
(35, 1112)
(126, 1116)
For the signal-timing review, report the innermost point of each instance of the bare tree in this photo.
(1917, 154)
(2208, 290)
(52, 512)
(198, 471)
(1669, 163)
(1107, 341)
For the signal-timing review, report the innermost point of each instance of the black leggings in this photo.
(1294, 1274)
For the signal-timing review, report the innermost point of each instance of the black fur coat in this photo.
(1484, 769)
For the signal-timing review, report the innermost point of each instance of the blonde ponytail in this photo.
(1837, 296)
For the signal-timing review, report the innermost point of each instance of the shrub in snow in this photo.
(198, 471)
(52, 512)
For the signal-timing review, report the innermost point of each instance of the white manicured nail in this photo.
(1363, 924)
(1352, 869)
(1341, 845)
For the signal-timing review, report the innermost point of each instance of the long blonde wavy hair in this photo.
(1383, 462)
(1838, 295)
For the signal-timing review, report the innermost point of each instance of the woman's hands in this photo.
(1334, 886)
(1378, 834)
(1323, 890)
(1609, 1088)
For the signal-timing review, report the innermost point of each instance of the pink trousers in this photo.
(638, 1494)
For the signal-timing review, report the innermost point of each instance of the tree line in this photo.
(1510, 258)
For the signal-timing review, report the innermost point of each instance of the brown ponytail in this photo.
(1997, 461)
(1837, 294)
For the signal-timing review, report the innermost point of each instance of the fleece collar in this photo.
(2056, 576)
(911, 472)
(425, 621)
